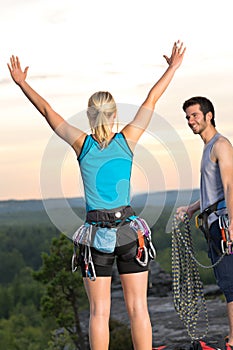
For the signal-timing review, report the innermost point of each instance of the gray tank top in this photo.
(211, 183)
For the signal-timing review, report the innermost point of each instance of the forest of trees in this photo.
(41, 300)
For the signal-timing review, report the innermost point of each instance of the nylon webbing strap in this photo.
(189, 300)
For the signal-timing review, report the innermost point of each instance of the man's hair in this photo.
(205, 106)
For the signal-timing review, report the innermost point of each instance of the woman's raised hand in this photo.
(16, 72)
(177, 55)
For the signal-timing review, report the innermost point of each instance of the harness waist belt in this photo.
(109, 218)
(212, 208)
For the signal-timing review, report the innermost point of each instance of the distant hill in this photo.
(67, 214)
(35, 205)
(39, 212)
(165, 198)
(155, 199)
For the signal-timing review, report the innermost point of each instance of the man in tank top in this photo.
(216, 195)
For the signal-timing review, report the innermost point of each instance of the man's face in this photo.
(196, 119)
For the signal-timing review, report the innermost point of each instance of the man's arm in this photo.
(223, 153)
(188, 209)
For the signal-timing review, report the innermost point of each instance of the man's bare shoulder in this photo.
(222, 148)
(223, 141)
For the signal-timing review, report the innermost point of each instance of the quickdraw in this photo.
(142, 254)
(145, 245)
(226, 242)
(89, 265)
(83, 236)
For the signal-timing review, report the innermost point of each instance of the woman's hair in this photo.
(101, 106)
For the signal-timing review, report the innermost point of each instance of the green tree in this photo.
(6, 302)
(21, 323)
(11, 263)
(24, 290)
(120, 338)
(64, 293)
(17, 333)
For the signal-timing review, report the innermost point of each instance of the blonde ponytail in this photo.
(101, 107)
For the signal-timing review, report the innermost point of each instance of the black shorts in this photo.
(124, 254)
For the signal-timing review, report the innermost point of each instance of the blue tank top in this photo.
(211, 182)
(106, 173)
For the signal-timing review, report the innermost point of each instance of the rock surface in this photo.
(167, 327)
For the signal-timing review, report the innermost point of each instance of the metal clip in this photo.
(152, 250)
(74, 264)
(142, 251)
(226, 242)
(89, 265)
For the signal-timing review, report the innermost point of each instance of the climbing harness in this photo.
(110, 218)
(99, 232)
(201, 221)
(189, 301)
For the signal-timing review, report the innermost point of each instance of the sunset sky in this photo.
(74, 48)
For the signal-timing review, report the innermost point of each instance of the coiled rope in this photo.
(188, 293)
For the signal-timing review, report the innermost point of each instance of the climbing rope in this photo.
(189, 300)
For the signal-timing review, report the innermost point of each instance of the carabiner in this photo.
(138, 257)
(223, 246)
(152, 250)
(91, 271)
(74, 264)
(89, 265)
